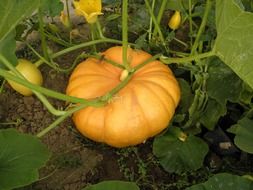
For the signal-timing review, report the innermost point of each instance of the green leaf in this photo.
(113, 185)
(7, 49)
(52, 8)
(179, 5)
(178, 156)
(186, 96)
(224, 181)
(21, 156)
(213, 111)
(12, 12)
(246, 94)
(243, 131)
(222, 83)
(234, 38)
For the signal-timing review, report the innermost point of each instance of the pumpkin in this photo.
(140, 110)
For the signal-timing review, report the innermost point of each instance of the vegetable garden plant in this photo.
(174, 76)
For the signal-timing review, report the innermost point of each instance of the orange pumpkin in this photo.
(142, 109)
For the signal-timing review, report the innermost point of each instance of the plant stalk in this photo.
(125, 33)
(155, 22)
(59, 120)
(42, 35)
(169, 60)
(79, 46)
(40, 96)
(202, 26)
(159, 16)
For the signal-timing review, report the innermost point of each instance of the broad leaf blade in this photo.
(224, 181)
(12, 12)
(243, 134)
(234, 38)
(7, 49)
(113, 185)
(52, 8)
(21, 156)
(178, 156)
(222, 85)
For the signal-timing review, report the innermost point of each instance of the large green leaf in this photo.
(113, 185)
(21, 156)
(243, 131)
(222, 85)
(186, 96)
(179, 5)
(8, 47)
(52, 8)
(179, 156)
(12, 12)
(224, 181)
(234, 38)
(213, 111)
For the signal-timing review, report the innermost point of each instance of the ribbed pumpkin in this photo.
(142, 109)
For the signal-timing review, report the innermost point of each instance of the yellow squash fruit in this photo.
(31, 73)
(175, 21)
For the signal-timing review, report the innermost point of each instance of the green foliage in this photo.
(179, 5)
(224, 181)
(243, 131)
(208, 86)
(186, 96)
(113, 185)
(21, 156)
(11, 13)
(8, 47)
(178, 156)
(222, 85)
(52, 8)
(234, 41)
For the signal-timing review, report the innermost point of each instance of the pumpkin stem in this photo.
(182, 136)
(123, 75)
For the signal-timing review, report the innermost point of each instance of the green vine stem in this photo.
(159, 16)
(79, 46)
(202, 26)
(153, 58)
(151, 22)
(169, 60)
(42, 35)
(99, 29)
(125, 33)
(101, 57)
(57, 39)
(59, 120)
(50, 64)
(155, 21)
(93, 35)
(40, 96)
(46, 91)
(190, 19)
(68, 15)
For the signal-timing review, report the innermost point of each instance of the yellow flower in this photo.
(90, 9)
